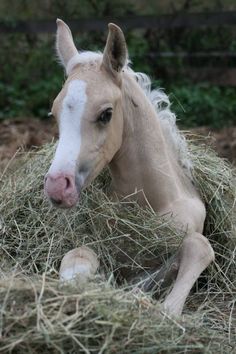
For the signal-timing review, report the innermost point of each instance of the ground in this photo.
(16, 134)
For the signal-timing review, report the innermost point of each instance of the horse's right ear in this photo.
(115, 54)
(64, 43)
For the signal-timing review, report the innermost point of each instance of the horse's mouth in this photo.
(66, 203)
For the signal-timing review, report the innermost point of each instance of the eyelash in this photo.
(105, 116)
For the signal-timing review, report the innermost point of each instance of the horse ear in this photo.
(115, 54)
(64, 43)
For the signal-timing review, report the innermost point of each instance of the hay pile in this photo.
(38, 314)
(41, 317)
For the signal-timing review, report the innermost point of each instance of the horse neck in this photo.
(145, 162)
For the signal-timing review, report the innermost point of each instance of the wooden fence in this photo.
(178, 20)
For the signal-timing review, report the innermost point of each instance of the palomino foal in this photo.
(106, 117)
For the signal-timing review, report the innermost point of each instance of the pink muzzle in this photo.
(61, 189)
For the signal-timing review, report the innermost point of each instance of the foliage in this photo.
(203, 105)
(30, 77)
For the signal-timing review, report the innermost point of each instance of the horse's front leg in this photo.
(195, 255)
(81, 262)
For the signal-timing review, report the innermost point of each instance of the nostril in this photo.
(68, 183)
(83, 168)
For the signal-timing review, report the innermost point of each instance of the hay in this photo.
(39, 315)
(100, 319)
(215, 179)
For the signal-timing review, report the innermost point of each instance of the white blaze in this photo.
(68, 148)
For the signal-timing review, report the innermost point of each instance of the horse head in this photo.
(88, 110)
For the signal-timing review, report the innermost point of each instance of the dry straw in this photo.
(107, 316)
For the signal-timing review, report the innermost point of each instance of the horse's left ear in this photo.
(115, 54)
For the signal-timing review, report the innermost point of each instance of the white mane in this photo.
(162, 105)
(159, 100)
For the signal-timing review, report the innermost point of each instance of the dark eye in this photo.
(105, 116)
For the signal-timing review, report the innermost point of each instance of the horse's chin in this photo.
(66, 203)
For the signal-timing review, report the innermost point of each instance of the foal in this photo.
(106, 117)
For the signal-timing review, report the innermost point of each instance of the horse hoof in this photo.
(80, 262)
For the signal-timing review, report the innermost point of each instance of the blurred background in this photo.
(187, 47)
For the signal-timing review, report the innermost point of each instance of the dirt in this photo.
(223, 140)
(24, 134)
(18, 134)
